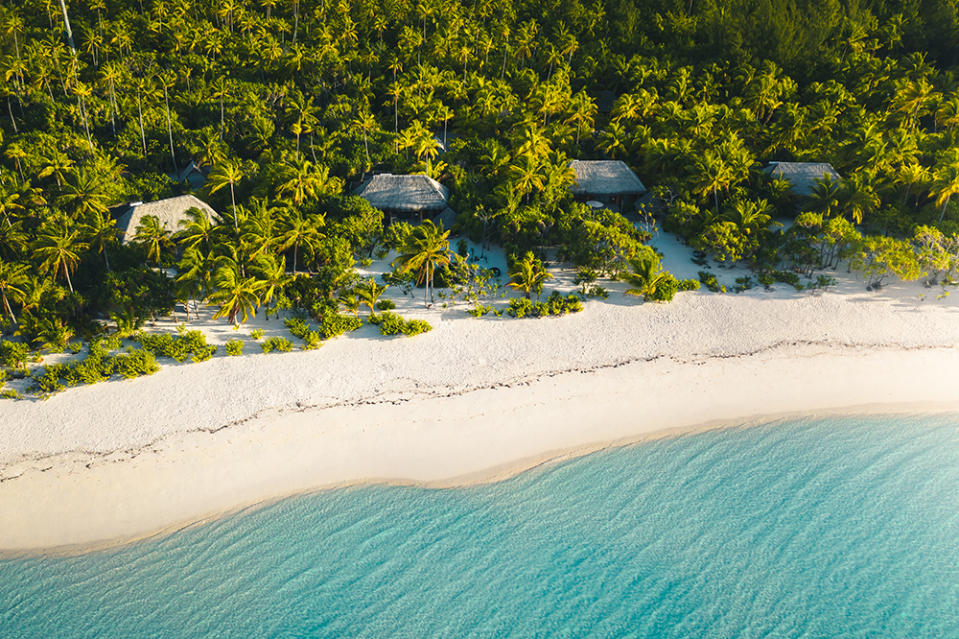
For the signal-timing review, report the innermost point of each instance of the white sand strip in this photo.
(472, 400)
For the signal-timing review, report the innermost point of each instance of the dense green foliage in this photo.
(288, 104)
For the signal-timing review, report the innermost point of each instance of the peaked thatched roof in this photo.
(170, 212)
(802, 175)
(605, 177)
(389, 192)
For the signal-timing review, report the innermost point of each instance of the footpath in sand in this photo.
(473, 400)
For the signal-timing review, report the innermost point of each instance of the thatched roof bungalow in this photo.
(404, 195)
(801, 176)
(606, 181)
(170, 212)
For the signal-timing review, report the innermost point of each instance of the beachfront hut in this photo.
(802, 176)
(170, 212)
(608, 181)
(407, 196)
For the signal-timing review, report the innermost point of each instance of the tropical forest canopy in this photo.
(289, 104)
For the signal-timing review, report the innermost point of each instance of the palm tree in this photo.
(528, 275)
(84, 192)
(368, 292)
(425, 248)
(228, 173)
(101, 233)
(13, 284)
(645, 276)
(305, 180)
(236, 295)
(198, 230)
(300, 231)
(151, 235)
(58, 248)
(273, 276)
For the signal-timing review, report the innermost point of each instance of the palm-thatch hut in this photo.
(407, 196)
(170, 212)
(608, 181)
(801, 176)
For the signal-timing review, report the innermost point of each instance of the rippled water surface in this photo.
(802, 529)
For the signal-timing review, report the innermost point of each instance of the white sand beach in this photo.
(473, 400)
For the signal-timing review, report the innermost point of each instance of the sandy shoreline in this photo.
(473, 400)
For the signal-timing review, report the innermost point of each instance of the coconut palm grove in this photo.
(275, 113)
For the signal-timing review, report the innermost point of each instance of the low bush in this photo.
(385, 305)
(689, 285)
(393, 324)
(710, 282)
(256, 333)
(744, 283)
(555, 304)
(14, 354)
(234, 347)
(185, 344)
(279, 344)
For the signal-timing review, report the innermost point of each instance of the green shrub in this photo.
(14, 354)
(136, 362)
(280, 344)
(256, 333)
(74, 347)
(787, 277)
(312, 340)
(234, 347)
(49, 383)
(9, 393)
(709, 281)
(689, 285)
(385, 305)
(393, 324)
(744, 283)
(480, 310)
(556, 304)
(665, 291)
(186, 344)
(333, 324)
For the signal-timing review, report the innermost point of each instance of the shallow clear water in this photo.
(796, 529)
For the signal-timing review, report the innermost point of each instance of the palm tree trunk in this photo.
(10, 111)
(6, 303)
(169, 128)
(66, 272)
(143, 137)
(66, 24)
(944, 205)
(236, 224)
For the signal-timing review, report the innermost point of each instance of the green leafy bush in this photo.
(556, 304)
(186, 344)
(136, 362)
(709, 281)
(393, 324)
(9, 393)
(385, 305)
(279, 344)
(234, 347)
(689, 285)
(14, 354)
(256, 333)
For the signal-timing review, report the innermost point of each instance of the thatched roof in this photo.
(389, 192)
(802, 175)
(170, 212)
(605, 177)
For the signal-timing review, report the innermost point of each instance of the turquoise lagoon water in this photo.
(826, 528)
